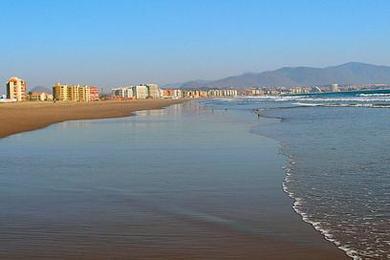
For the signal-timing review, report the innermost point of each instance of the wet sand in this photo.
(198, 206)
(27, 116)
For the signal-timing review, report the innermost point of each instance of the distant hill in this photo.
(40, 89)
(349, 73)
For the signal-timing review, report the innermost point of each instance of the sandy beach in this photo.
(27, 116)
(82, 212)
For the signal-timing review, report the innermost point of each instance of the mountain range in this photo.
(348, 73)
(40, 89)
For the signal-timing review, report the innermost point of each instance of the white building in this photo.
(140, 91)
(153, 91)
(222, 93)
(123, 92)
(334, 88)
(16, 89)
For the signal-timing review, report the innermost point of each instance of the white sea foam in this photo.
(307, 104)
(369, 105)
(375, 95)
(297, 206)
(359, 98)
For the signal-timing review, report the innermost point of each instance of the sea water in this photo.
(338, 169)
(186, 182)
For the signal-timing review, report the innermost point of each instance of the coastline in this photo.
(231, 241)
(327, 235)
(28, 116)
(288, 170)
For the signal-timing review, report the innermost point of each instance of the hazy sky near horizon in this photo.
(116, 42)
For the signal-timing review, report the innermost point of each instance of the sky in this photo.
(112, 43)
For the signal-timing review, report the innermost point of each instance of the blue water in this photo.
(338, 170)
(186, 182)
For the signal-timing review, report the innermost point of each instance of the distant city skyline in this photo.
(115, 43)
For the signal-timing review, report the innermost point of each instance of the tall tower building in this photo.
(16, 89)
(334, 88)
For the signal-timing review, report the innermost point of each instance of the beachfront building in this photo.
(75, 93)
(298, 90)
(171, 93)
(94, 94)
(123, 93)
(334, 88)
(153, 91)
(60, 92)
(251, 92)
(167, 93)
(84, 94)
(40, 96)
(222, 93)
(140, 92)
(118, 92)
(191, 93)
(16, 89)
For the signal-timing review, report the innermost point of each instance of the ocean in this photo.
(218, 179)
(337, 172)
(192, 181)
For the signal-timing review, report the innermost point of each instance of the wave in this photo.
(369, 105)
(375, 95)
(297, 206)
(380, 97)
(346, 99)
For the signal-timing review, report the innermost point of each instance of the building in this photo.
(16, 89)
(190, 93)
(153, 91)
(75, 93)
(140, 92)
(84, 94)
(167, 93)
(334, 88)
(94, 93)
(60, 92)
(171, 93)
(118, 92)
(222, 93)
(40, 96)
(123, 92)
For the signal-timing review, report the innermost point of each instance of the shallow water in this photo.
(185, 182)
(338, 171)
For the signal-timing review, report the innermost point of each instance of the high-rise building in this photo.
(153, 91)
(334, 88)
(84, 94)
(75, 93)
(16, 89)
(140, 91)
(94, 93)
(60, 92)
(123, 92)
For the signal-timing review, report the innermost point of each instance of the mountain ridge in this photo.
(347, 73)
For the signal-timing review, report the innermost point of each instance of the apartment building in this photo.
(123, 92)
(16, 89)
(75, 93)
(171, 93)
(140, 92)
(153, 91)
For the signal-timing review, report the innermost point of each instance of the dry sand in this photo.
(27, 116)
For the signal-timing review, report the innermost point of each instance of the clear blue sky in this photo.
(116, 42)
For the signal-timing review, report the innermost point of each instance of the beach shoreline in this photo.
(28, 116)
(229, 241)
